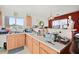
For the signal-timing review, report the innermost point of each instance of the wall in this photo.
(38, 12)
(36, 19)
(75, 17)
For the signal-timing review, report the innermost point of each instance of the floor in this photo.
(24, 51)
(21, 51)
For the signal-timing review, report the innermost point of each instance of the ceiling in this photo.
(38, 10)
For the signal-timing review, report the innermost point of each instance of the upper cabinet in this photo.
(28, 21)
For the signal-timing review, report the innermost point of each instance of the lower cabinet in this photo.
(15, 41)
(45, 49)
(11, 42)
(32, 44)
(26, 40)
(20, 40)
(29, 43)
(42, 51)
(35, 47)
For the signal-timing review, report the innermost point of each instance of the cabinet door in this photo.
(29, 43)
(26, 40)
(28, 21)
(20, 38)
(11, 42)
(43, 51)
(35, 46)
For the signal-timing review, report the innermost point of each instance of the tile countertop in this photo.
(56, 46)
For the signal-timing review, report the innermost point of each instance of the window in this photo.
(19, 21)
(16, 24)
(11, 21)
(60, 23)
(63, 22)
(56, 24)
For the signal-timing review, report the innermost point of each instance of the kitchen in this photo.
(34, 31)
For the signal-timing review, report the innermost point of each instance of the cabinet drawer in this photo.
(35, 48)
(11, 42)
(35, 42)
(47, 49)
(21, 36)
(43, 51)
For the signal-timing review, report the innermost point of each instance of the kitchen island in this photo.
(42, 43)
(35, 44)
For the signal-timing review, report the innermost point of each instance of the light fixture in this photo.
(69, 17)
(51, 17)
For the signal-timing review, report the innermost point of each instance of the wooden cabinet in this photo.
(26, 40)
(32, 44)
(28, 21)
(45, 49)
(42, 51)
(29, 43)
(15, 41)
(20, 40)
(35, 46)
(11, 42)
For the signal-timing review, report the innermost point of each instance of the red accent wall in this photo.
(75, 17)
(50, 23)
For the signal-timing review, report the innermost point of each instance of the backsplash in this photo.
(62, 32)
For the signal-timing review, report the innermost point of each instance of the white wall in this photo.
(38, 12)
(36, 19)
